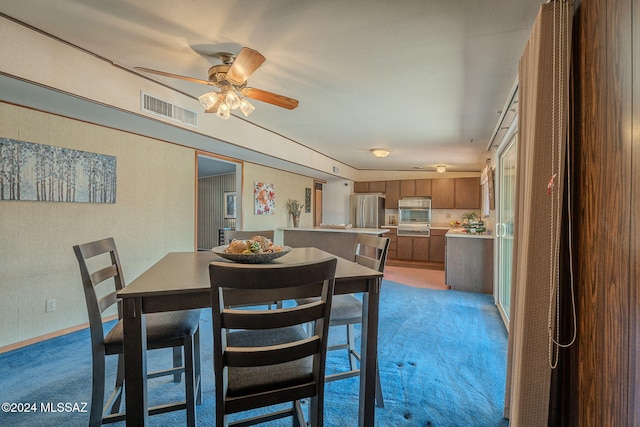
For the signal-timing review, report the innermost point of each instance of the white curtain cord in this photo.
(560, 140)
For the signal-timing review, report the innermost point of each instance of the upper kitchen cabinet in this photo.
(467, 193)
(377, 187)
(407, 188)
(361, 187)
(415, 187)
(423, 187)
(369, 187)
(445, 193)
(455, 193)
(442, 193)
(393, 194)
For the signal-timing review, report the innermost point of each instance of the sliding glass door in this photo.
(504, 225)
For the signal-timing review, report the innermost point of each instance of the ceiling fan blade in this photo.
(245, 64)
(175, 76)
(270, 98)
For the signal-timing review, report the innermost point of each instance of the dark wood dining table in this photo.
(180, 280)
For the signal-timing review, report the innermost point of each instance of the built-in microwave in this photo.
(414, 217)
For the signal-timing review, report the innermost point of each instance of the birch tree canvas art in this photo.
(38, 172)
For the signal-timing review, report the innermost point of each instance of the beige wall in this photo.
(287, 186)
(153, 214)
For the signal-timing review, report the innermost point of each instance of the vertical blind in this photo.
(542, 137)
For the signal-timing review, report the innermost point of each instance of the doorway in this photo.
(218, 181)
(317, 203)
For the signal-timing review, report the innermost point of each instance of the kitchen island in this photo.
(469, 261)
(338, 241)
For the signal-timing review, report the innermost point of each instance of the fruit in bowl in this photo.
(255, 245)
(257, 250)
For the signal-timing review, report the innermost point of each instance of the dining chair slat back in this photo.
(370, 251)
(100, 268)
(265, 357)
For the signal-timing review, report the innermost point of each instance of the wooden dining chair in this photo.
(229, 235)
(370, 251)
(101, 274)
(265, 357)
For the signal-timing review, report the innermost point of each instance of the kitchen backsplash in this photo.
(442, 217)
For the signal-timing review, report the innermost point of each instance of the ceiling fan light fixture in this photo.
(224, 112)
(231, 78)
(441, 168)
(208, 100)
(232, 100)
(380, 152)
(246, 107)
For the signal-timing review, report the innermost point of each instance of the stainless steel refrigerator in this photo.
(366, 211)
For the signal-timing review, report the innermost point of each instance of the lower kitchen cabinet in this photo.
(469, 264)
(405, 247)
(393, 243)
(413, 248)
(421, 248)
(409, 248)
(437, 245)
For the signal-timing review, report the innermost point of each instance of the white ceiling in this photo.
(424, 78)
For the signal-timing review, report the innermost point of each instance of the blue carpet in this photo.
(442, 357)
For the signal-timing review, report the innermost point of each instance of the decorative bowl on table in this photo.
(253, 258)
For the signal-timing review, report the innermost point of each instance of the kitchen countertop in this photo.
(460, 232)
(433, 227)
(337, 230)
(337, 241)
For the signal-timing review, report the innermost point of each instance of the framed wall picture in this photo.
(229, 204)
(44, 173)
(307, 200)
(265, 198)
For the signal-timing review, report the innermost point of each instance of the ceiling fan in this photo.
(231, 78)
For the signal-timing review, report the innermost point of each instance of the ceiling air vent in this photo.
(163, 108)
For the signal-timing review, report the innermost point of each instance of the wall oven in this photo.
(414, 217)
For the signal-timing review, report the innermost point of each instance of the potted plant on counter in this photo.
(295, 208)
(473, 224)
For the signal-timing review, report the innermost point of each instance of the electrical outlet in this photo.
(447, 215)
(50, 306)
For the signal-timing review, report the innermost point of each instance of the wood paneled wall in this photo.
(600, 375)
